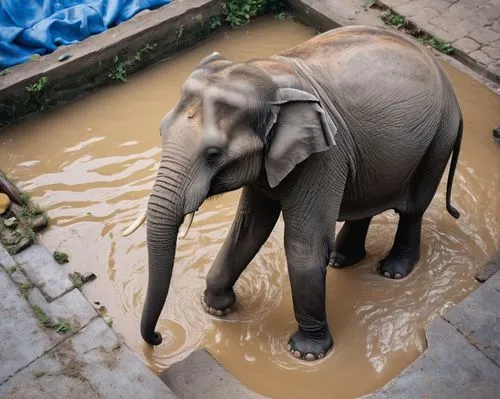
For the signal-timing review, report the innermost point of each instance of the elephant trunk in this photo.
(164, 216)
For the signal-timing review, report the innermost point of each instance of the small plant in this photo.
(25, 199)
(42, 316)
(119, 71)
(76, 279)
(5, 72)
(239, 12)
(61, 257)
(38, 87)
(439, 45)
(392, 18)
(25, 287)
(31, 211)
(30, 233)
(62, 327)
(38, 374)
(215, 22)
(282, 16)
(13, 269)
(145, 51)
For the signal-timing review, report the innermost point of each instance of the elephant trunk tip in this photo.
(153, 339)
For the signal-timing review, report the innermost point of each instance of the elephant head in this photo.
(232, 124)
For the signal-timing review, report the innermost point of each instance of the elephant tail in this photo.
(454, 160)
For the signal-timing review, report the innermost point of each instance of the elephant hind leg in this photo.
(350, 243)
(405, 252)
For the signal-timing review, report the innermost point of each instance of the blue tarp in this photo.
(30, 27)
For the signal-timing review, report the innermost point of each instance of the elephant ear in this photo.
(300, 127)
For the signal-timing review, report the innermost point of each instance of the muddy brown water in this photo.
(91, 164)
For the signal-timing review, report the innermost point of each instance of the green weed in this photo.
(439, 45)
(30, 233)
(119, 71)
(5, 72)
(62, 327)
(239, 12)
(61, 257)
(25, 287)
(13, 269)
(145, 51)
(215, 22)
(42, 317)
(392, 18)
(38, 87)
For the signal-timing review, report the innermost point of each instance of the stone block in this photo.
(451, 367)
(71, 308)
(6, 260)
(423, 16)
(478, 318)
(484, 35)
(44, 271)
(492, 267)
(495, 69)
(481, 58)
(17, 275)
(200, 376)
(492, 52)
(91, 364)
(466, 45)
(461, 11)
(22, 338)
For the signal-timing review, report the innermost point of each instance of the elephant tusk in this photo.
(187, 222)
(140, 220)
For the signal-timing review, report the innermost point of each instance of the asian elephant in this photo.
(354, 122)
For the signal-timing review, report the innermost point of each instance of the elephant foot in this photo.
(218, 304)
(310, 347)
(353, 256)
(399, 263)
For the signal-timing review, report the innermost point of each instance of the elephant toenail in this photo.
(398, 275)
(227, 310)
(310, 357)
(219, 312)
(321, 356)
(387, 274)
(289, 347)
(211, 310)
(296, 354)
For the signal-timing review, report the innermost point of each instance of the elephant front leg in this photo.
(253, 223)
(307, 262)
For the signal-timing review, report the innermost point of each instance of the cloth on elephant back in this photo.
(40, 26)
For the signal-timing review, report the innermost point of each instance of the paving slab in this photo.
(477, 317)
(44, 271)
(22, 338)
(91, 364)
(72, 308)
(6, 260)
(200, 376)
(472, 27)
(451, 367)
(492, 267)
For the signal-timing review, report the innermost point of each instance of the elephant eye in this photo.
(212, 155)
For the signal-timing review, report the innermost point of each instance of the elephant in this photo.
(354, 122)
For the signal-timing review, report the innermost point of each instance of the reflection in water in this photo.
(92, 163)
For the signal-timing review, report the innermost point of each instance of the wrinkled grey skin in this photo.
(348, 125)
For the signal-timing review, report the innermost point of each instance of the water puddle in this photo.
(91, 165)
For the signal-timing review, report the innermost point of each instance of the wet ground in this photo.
(91, 165)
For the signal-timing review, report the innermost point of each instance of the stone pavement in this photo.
(463, 355)
(471, 26)
(53, 342)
